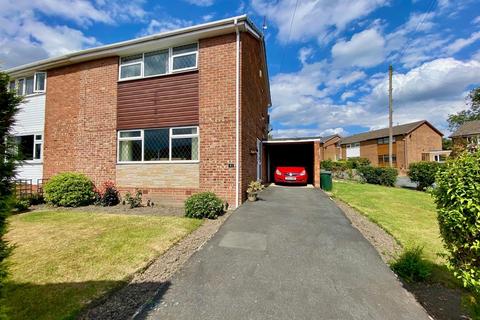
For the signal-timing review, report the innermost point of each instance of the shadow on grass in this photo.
(80, 300)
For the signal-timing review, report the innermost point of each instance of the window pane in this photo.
(25, 147)
(12, 86)
(130, 134)
(184, 131)
(156, 63)
(38, 137)
(185, 149)
(130, 150)
(131, 59)
(38, 151)
(156, 145)
(20, 85)
(40, 81)
(188, 61)
(185, 49)
(133, 70)
(29, 85)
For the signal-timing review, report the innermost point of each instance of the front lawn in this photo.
(64, 260)
(408, 215)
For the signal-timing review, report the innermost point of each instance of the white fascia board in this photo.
(164, 39)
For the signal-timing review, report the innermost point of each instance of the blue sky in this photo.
(328, 62)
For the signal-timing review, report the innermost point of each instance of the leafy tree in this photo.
(8, 107)
(472, 113)
(447, 144)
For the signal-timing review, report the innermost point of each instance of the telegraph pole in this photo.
(390, 116)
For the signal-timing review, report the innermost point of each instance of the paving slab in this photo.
(291, 255)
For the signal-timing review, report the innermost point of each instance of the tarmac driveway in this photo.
(291, 255)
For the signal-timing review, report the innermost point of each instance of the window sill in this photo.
(30, 162)
(159, 75)
(33, 94)
(158, 162)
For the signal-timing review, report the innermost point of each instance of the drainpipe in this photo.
(237, 115)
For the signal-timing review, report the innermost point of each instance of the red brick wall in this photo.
(80, 117)
(217, 116)
(254, 107)
(422, 139)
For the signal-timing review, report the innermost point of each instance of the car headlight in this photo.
(278, 173)
(303, 173)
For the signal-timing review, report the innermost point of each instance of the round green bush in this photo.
(203, 205)
(457, 196)
(423, 173)
(69, 190)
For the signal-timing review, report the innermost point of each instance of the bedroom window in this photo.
(158, 145)
(29, 85)
(159, 62)
(29, 147)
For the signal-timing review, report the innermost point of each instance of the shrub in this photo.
(411, 267)
(22, 205)
(327, 165)
(423, 173)
(107, 195)
(357, 162)
(204, 205)
(379, 175)
(457, 196)
(133, 202)
(36, 199)
(69, 190)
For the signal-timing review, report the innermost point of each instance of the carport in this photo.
(300, 152)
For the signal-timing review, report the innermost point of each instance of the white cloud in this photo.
(461, 43)
(314, 19)
(476, 20)
(347, 94)
(201, 3)
(308, 132)
(304, 54)
(24, 37)
(165, 24)
(208, 17)
(365, 49)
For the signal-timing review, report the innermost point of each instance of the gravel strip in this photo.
(125, 302)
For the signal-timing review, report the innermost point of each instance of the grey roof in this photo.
(381, 133)
(468, 128)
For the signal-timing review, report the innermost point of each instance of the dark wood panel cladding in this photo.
(165, 101)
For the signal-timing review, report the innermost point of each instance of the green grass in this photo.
(64, 260)
(408, 215)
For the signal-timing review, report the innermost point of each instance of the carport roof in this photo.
(301, 139)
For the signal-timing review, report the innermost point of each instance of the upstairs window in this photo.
(385, 140)
(159, 62)
(29, 85)
(184, 57)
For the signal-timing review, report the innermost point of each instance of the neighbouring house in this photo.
(467, 134)
(170, 114)
(412, 142)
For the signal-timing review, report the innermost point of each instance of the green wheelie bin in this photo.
(326, 180)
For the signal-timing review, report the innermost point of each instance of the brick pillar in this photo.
(316, 164)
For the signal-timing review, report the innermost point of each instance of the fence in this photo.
(23, 188)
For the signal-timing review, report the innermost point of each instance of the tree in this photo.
(471, 113)
(9, 103)
(447, 144)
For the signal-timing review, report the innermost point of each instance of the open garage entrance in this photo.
(293, 153)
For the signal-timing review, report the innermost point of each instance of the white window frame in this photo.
(35, 91)
(170, 63)
(172, 56)
(35, 142)
(171, 136)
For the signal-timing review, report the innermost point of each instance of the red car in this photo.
(291, 175)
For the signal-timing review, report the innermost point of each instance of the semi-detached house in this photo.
(170, 114)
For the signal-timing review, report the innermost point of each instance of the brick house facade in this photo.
(193, 127)
(412, 142)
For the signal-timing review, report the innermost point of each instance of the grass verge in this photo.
(64, 260)
(408, 215)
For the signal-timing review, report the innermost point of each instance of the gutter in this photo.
(237, 114)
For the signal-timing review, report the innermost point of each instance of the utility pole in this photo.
(390, 116)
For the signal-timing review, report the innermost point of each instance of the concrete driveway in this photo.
(291, 255)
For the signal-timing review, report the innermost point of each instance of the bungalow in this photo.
(412, 142)
(467, 134)
(171, 114)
